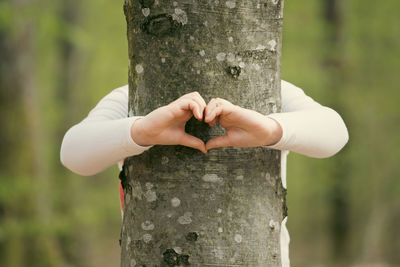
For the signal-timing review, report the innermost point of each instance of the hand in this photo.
(166, 125)
(244, 127)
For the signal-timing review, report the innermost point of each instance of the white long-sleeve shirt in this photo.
(103, 138)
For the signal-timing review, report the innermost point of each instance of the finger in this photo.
(220, 141)
(202, 104)
(210, 109)
(198, 98)
(213, 116)
(195, 95)
(193, 142)
(193, 106)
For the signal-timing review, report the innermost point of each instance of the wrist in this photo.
(138, 134)
(274, 132)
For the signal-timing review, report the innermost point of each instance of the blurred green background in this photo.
(59, 57)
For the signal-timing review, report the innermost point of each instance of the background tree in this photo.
(182, 207)
(334, 62)
(19, 106)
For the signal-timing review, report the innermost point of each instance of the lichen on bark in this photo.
(214, 208)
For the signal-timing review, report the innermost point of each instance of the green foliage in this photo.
(78, 53)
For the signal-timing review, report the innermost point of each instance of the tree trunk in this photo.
(182, 207)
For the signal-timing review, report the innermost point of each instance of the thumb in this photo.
(219, 141)
(193, 142)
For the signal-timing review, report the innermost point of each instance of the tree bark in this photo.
(182, 207)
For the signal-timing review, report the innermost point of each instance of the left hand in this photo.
(244, 127)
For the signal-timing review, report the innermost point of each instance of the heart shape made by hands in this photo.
(167, 124)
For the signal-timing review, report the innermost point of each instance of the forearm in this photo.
(92, 146)
(319, 132)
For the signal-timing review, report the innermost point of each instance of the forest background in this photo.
(59, 57)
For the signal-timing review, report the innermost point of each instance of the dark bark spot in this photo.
(126, 10)
(123, 176)
(285, 210)
(192, 236)
(160, 25)
(284, 206)
(120, 237)
(146, 3)
(279, 5)
(171, 258)
(234, 71)
(183, 259)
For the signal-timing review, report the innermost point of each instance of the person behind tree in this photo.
(107, 135)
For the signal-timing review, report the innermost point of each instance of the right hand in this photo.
(166, 125)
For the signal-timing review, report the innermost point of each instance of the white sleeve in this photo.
(103, 138)
(308, 127)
